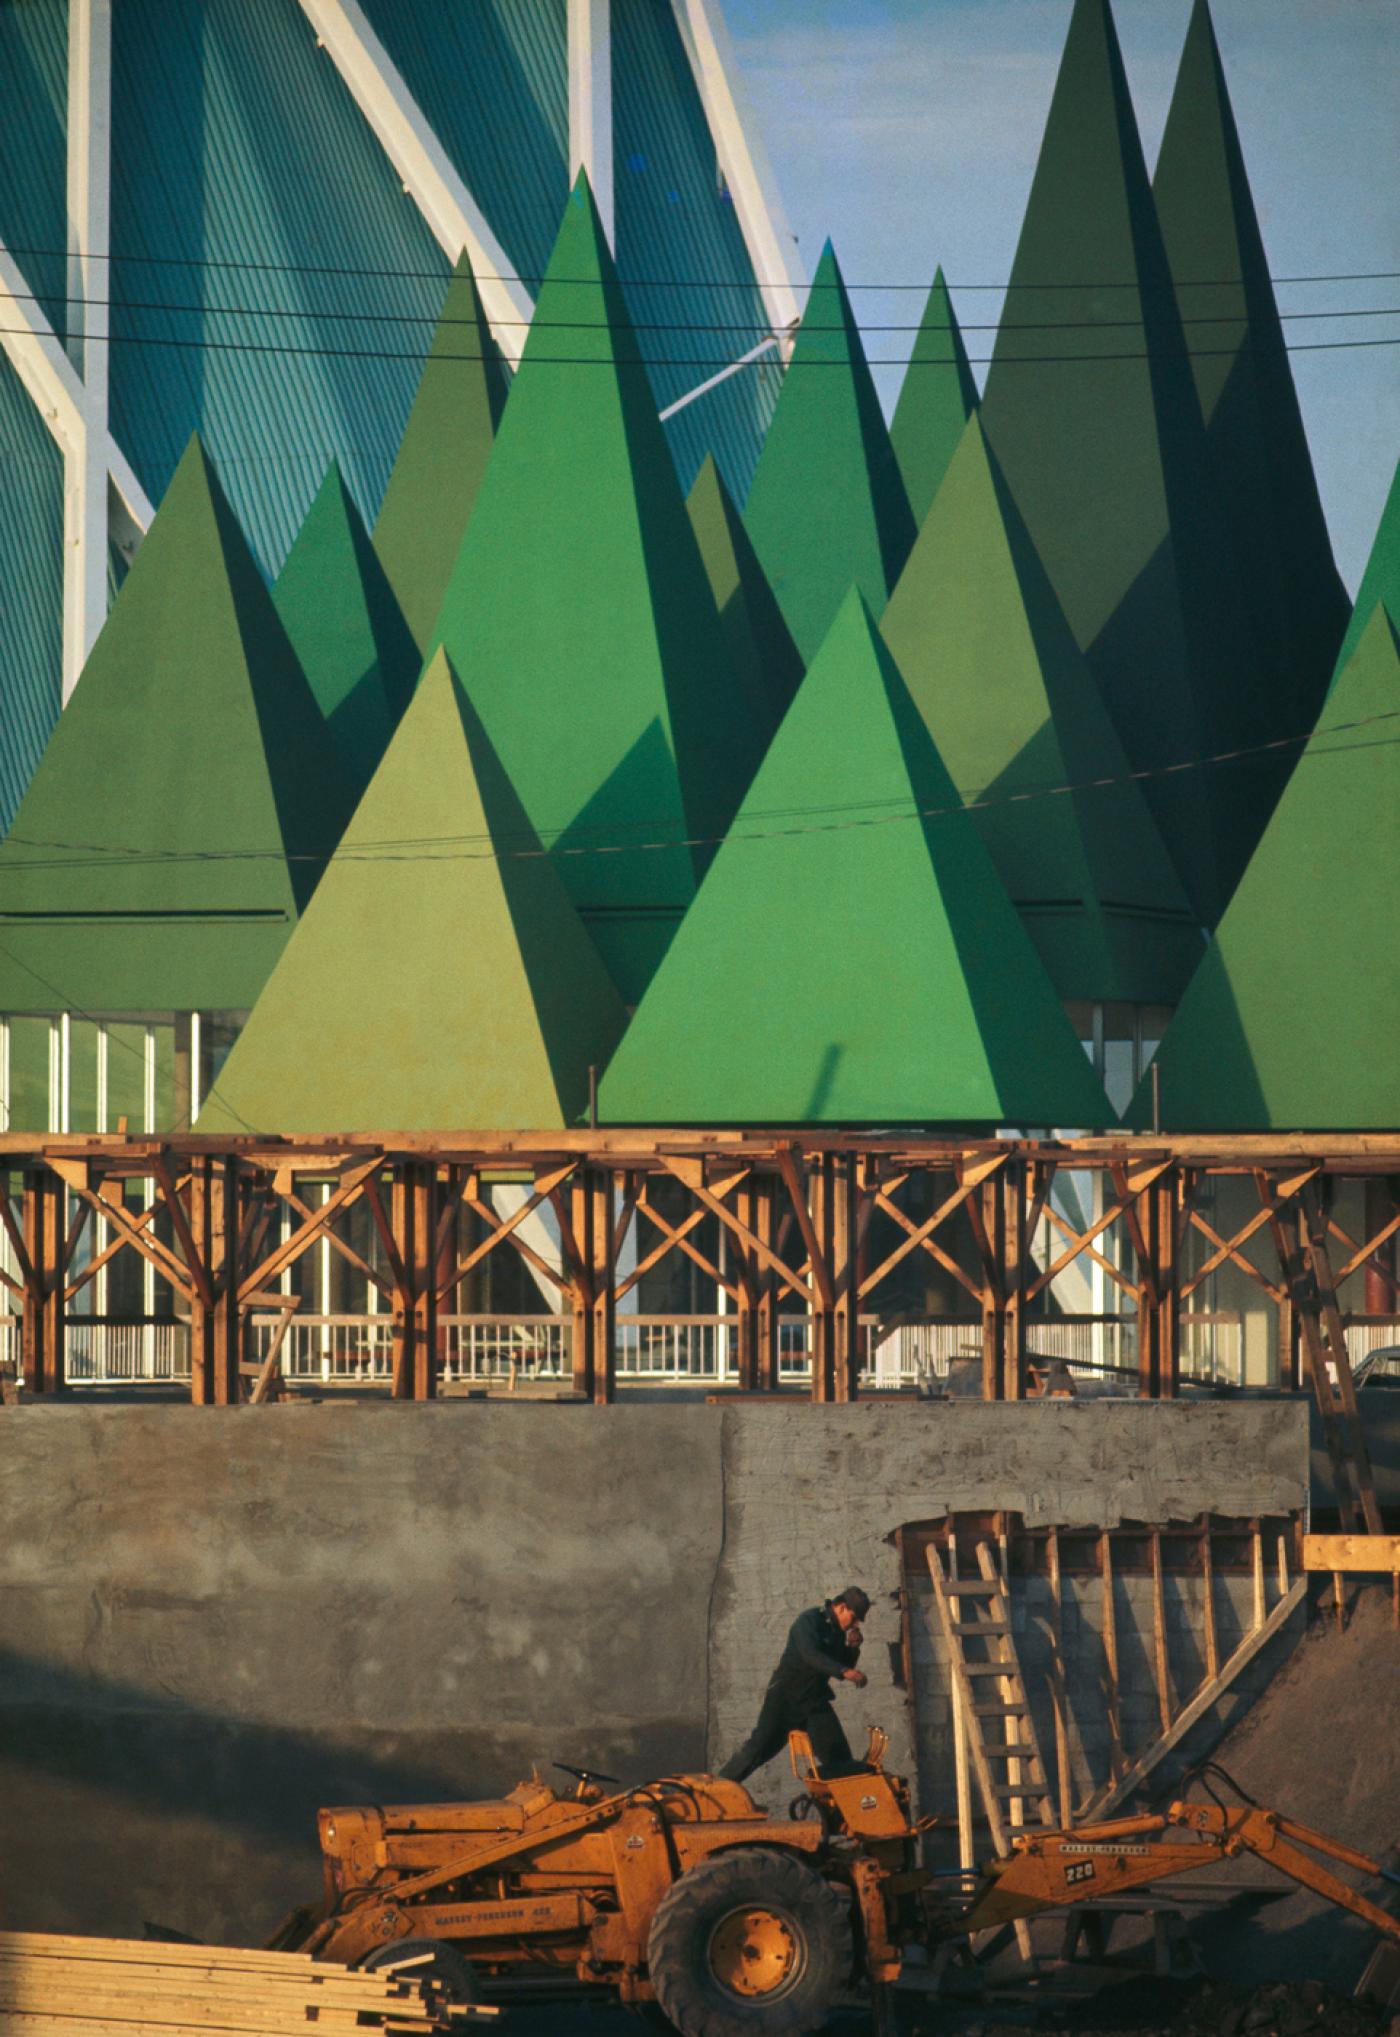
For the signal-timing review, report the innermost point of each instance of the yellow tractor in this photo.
(685, 1893)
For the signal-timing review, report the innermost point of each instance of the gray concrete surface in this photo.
(211, 1623)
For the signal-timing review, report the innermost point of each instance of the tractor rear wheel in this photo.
(445, 1965)
(749, 1944)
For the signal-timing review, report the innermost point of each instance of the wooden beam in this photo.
(351, 1184)
(797, 1196)
(691, 1172)
(545, 1186)
(1195, 1709)
(1351, 1552)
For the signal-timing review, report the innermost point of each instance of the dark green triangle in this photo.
(827, 509)
(1253, 423)
(937, 398)
(442, 455)
(761, 649)
(993, 668)
(188, 797)
(583, 627)
(488, 1002)
(1291, 1021)
(852, 956)
(339, 610)
(1381, 580)
(1092, 411)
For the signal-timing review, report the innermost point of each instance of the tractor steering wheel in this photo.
(586, 1774)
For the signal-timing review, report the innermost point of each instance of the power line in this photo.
(746, 328)
(680, 361)
(449, 848)
(666, 282)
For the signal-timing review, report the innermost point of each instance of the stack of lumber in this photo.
(52, 1986)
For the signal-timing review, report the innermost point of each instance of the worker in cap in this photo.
(823, 1646)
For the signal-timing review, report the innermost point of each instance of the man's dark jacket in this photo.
(816, 1651)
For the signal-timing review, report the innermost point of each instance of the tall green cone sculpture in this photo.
(580, 621)
(893, 985)
(485, 1002)
(189, 797)
(991, 664)
(1255, 430)
(1381, 579)
(1290, 1022)
(339, 611)
(760, 645)
(442, 455)
(937, 398)
(827, 508)
(1091, 409)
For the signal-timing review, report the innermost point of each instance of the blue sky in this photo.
(908, 131)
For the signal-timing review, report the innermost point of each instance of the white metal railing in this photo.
(515, 1350)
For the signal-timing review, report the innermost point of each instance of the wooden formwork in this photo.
(816, 1221)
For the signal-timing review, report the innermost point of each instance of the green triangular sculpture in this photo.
(1253, 423)
(827, 508)
(582, 625)
(1381, 580)
(852, 957)
(1290, 1023)
(189, 796)
(936, 399)
(482, 1001)
(339, 610)
(1091, 410)
(442, 455)
(994, 670)
(761, 649)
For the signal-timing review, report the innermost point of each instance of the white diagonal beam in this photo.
(590, 103)
(428, 175)
(85, 519)
(771, 243)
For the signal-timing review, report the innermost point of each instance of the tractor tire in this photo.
(451, 1971)
(749, 1944)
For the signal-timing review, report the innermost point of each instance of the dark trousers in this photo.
(776, 1720)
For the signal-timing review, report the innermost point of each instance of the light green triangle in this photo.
(345, 626)
(442, 455)
(852, 956)
(1291, 1020)
(1381, 580)
(993, 668)
(484, 1003)
(937, 397)
(582, 625)
(827, 508)
(761, 650)
(189, 795)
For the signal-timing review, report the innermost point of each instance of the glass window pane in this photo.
(126, 1076)
(29, 1074)
(82, 1075)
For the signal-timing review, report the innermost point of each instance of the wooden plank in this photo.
(1212, 1638)
(1166, 1696)
(1351, 1552)
(1058, 1695)
(1107, 1800)
(1113, 1702)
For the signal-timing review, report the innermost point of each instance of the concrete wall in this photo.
(211, 1623)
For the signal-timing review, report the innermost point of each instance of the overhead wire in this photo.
(456, 848)
(202, 345)
(655, 282)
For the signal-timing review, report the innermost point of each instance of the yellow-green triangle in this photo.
(441, 978)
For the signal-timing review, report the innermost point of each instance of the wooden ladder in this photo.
(989, 1692)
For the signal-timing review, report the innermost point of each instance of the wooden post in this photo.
(993, 1216)
(1015, 1246)
(843, 1257)
(216, 1319)
(1058, 1693)
(42, 1318)
(767, 1342)
(1212, 1639)
(414, 1332)
(746, 1310)
(1117, 1760)
(1166, 1695)
(602, 1281)
(821, 1194)
(578, 1257)
(1166, 1197)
